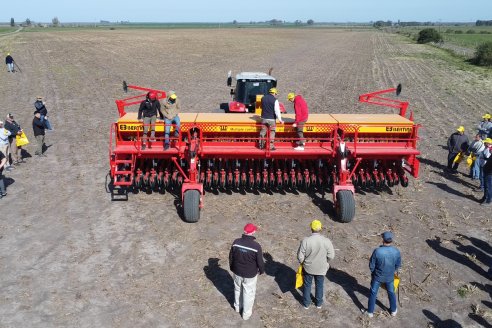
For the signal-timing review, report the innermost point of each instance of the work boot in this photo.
(166, 146)
(143, 146)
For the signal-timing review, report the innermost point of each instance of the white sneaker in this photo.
(299, 148)
(393, 314)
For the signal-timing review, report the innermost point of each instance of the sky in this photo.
(246, 11)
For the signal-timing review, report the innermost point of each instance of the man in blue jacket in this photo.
(246, 261)
(384, 263)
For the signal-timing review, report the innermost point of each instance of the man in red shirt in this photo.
(302, 113)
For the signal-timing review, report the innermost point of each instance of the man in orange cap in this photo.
(457, 143)
(246, 261)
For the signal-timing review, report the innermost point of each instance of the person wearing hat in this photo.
(476, 147)
(246, 262)
(384, 263)
(485, 126)
(487, 173)
(147, 113)
(38, 128)
(40, 106)
(270, 113)
(314, 255)
(15, 130)
(457, 143)
(302, 113)
(9, 61)
(171, 111)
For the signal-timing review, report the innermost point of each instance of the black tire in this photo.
(191, 206)
(345, 206)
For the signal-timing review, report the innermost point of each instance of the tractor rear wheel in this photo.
(191, 206)
(345, 206)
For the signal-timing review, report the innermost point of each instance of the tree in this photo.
(429, 35)
(55, 21)
(310, 22)
(28, 22)
(298, 22)
(12, 22)
(483, 54)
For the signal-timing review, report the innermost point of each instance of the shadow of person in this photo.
(452, 191)
(221, 279)
(469, 249)
(324, 204)
(284, 276)
(455, 256)
(351, 286)
(439, 323)
(483, 245)
(8, 181)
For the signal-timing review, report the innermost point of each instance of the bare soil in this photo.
(69, 257)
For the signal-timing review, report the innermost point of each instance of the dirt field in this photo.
(69, 257)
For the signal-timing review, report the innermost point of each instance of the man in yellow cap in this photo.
(485, 126)
(314, 254)
(302, 113)
(457, 143)
(171, 110)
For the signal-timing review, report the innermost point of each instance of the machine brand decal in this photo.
(130, 127)
(398, 129)
(309, 128)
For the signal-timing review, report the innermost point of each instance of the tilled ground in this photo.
(69, 257)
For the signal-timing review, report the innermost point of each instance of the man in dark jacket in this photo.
(147, 113)
(38, 128)
(384, 263)
(40, 106)
(457, 143)
(487, 173)
(246, 261)
(270, 112)
(9, 61)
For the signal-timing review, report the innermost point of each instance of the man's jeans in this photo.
(40, 143)
(374, 293)
(46, 123)
(149, 123)
(488, 189)
(306, 292)
(10, 67)
(175, 120)
(244, 294)
(267, 124)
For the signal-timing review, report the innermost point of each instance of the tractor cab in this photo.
(250, 88)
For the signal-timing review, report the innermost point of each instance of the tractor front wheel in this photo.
(345, 206)
(191, 206)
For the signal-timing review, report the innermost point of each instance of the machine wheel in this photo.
(191, 208)
(345, 206)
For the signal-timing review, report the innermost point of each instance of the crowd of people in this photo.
(477, 155)
(13, 138)
(314, 255)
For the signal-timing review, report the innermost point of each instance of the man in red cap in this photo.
(246, 261)
(147, 113)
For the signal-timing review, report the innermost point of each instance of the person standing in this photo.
(270, 112)
(246, 262)
(171, 111)
(485, 126)
(147, 113)
(384, 263)
(38, 128)
(40, 106)
(15, 130)
(9, 61)
(457, 143)
(487, 173)
(476, 147)
(4, 142)
(314, 255)
(302, 113)
(3, 162)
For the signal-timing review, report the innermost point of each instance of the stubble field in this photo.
(69, 257)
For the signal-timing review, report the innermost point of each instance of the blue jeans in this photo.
(175, 120)
(475, 170)
(488, 188)
(306, 292)
(481, 177)
(374, 294)
(46, 122)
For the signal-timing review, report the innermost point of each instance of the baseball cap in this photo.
(488, 140)
(39, 98)
(461, 129)
(387, 236)
(250, 228)
(316, 225)
(1, 122)
(9, 115)
(486, 116)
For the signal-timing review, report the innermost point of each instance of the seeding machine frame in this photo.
(212, 151)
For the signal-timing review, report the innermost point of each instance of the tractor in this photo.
(250, 88)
